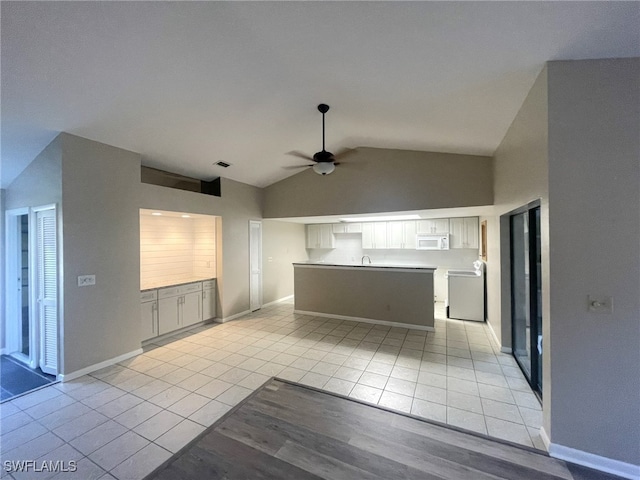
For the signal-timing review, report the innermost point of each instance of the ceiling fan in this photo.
(325, 162)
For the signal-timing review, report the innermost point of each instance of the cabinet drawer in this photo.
(208, 284)
(191, 287)
(148, 295)
(168, 292)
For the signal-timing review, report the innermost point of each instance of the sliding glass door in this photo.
(526, 293)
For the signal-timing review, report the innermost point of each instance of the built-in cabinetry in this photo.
(320, 236)
(374, 235)
(433, 225)
(149, 314)
(208, 299)
(401, 234)
(397, 234)
(166, 309)
(464, 232)
(347, 228)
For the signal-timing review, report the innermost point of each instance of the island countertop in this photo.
(366, 266)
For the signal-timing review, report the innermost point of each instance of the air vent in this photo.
(223, 164)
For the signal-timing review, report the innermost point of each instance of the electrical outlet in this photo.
(269, 259)
(600, 304)
(86, 280)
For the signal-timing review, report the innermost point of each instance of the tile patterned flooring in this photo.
(125, 420)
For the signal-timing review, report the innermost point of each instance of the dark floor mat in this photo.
(16, 379)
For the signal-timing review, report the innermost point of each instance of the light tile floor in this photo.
(125, 420)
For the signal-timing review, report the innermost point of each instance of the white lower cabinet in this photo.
(171, 308)
(169, 314)
(149, 314)
(208, 299)
(191, 308)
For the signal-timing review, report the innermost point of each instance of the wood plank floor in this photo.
(288, 431)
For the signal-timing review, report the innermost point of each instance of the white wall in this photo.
(174, 249)
(283, 244)
(594, 216)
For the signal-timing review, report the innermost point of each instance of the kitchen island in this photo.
(400, 296)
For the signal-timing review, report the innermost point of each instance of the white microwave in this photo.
(432, 242)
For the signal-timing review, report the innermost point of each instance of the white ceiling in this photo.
(187, 84)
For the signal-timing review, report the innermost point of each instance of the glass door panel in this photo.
(520, 299)
(526, 293)
(23, 225)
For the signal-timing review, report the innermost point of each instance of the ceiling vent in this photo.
(223, 164)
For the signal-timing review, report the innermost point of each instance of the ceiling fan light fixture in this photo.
(324, 168)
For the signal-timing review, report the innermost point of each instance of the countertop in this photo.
(366, 265)
(176, 283)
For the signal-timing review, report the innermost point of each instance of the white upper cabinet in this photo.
(464, 232)
(374, 235)
(320, 236)
(434, 225)
(401, 234)
(347, 228)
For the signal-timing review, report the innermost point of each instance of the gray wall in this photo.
(374, 180)
(521, 175)
(39, 184)
(2, 271)
(101, 237)
(594, 194)
(282, 244)
(362, 292)
(239, 204)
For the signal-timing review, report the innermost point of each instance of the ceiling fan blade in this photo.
(292, 167)
(295, 153)
(344, 152)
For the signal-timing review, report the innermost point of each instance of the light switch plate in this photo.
(600, 304)
(86, 280)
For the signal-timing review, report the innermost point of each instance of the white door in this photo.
(47, 289)
(255, 265)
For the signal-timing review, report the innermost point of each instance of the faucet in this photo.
(367, 257)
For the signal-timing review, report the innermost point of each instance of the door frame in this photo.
(13, 301)
(534, 382)
(13, 288)
(252, 300)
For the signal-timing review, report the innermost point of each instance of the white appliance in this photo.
(432, 242)
(465, 300)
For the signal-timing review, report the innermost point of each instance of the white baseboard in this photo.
(590, 460)
(233, 317)
(545, 438)
(280, 300)
(3, 351)
(65, 377)
(495, 338)
(367, 320)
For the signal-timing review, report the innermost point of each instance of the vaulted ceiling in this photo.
(187, 84)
